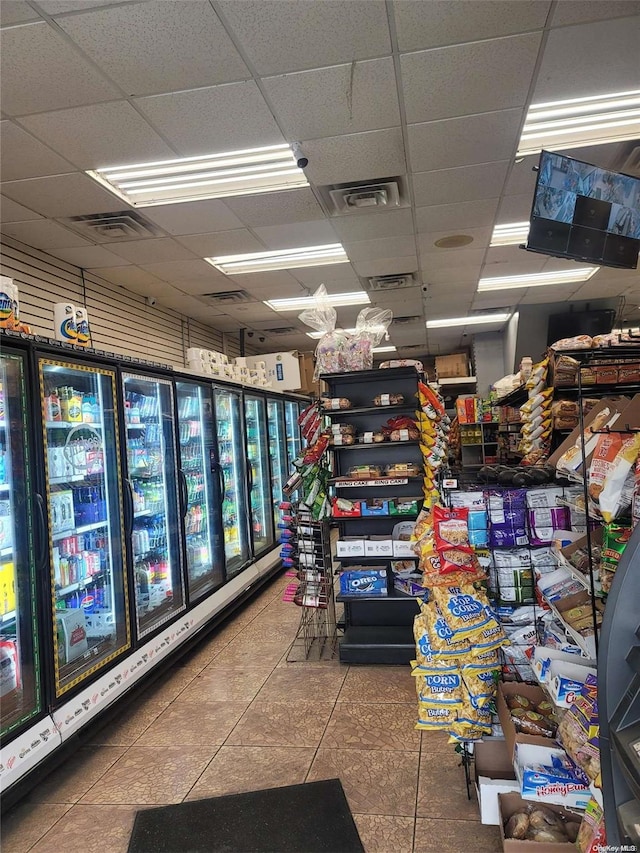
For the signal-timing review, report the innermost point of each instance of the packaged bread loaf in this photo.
(388, 400)
(336, 403)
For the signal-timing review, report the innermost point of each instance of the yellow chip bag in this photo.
(434, 640)
(463, 609)
(490, 638)
(476, 717)
(441, 686)
(480, 682)
(465, 732)
(441, 717)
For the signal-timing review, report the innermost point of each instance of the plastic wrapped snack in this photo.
(332, 346)
(371, 328)
(442, 686)
(577, 342)
(333, 403)
(611, 464)
(451, 529)
(464, 609)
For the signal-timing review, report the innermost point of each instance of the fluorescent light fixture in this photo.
(389, 348)
(578, 122)
(510, 234)
(281, 259)
(537, 279)
(299, 303)
(252, 170)
(473, 320)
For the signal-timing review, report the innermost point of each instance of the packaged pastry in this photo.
(365, 472)
(371, 438)
(335, 403)
(388, 400)
(577, 342)
(342, 429)
(403, 469)
(410, 434)
(611, 464)
(341, 439)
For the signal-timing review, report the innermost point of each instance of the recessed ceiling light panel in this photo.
(299, 303)
(281, 259)
(578, 122)
(247, 172)
(538, 279)
(510, 234)
(473, 320)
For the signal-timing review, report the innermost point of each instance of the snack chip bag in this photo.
(430, 402)
(440, 641)
(440, 687)
(451, 529)
(480, 682)
(439, 717)
(463, 610)
(612, 461)
(463, 731)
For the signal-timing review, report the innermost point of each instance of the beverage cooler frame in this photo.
(256, 486)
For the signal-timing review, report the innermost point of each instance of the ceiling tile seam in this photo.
(125, 96)
(258, 81)
(30, 209)
(72, 168)
(530, 92)
(532, 31)
(81, 11)
(405, 142)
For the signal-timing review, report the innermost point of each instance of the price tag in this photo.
(450, 483)
(391, 481)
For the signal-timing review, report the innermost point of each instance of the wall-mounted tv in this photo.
(582, 212)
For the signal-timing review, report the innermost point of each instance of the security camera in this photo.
(151, 301)
(302, 162)
(262, 339)
(250, 334)
(425, 288)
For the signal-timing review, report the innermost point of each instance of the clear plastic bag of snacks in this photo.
(371, 328)
(332, 346)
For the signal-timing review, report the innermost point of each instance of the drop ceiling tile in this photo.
(148, 48)
(423, 24)
(16, 12)
(58, 7)
(194, 217)
(43, 234)
(340, 276)
(185, 305)
(41, 71)
(488, 301)
(452, 277)
(383, 247)
(337, 100)
(152, 251)
(286, 35)
(440, 259)
(201, 286)
(369, 226)
(463, 215)
(10, 211)
(267, 284)
(515, 208)
(132, 277)
(452, 291)
(90, 257)
(426, 241)
(466, 183)
(515, 257)
(469, 78)
(522, 178)
(355, 157)
(63, 195)
(216, 320)
(238, 241)
(26, 157)
(283, 290)
(310, 233)
(582, 11)
(451, 306)
(464, 141)
(386, 266)
(175, 271)
(568, 69)
(248, 313)
(276, 208)
(532, 296)
(405, 302)
(213, 120)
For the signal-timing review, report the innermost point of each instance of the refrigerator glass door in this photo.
(86, 531)
(294, 443)
(153, 484)
(233, 480)
(20, 697)
(277, 451)
(259, 474)
(201, 483)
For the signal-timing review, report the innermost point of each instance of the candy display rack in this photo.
(377, 624)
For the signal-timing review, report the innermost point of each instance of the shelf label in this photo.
(450, 483)
(391, 481)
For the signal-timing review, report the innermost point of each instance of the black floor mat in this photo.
(310, 818)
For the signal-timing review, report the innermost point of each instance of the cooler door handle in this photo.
(184, 492)
(128, 510)
(40, 534)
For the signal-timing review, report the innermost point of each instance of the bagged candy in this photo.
(371, 328)
(330, 352)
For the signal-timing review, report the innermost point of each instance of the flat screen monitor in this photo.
(582, 212)
(598, 322)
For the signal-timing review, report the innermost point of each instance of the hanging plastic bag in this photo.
(330, 352)
(371, 328)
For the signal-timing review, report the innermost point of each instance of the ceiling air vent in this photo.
(111, 227)
(365, 196)
(282, 330)
(406, 321)
(391, 282)
(228, 297)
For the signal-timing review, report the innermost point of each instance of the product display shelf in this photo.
(475, 454)
(377, 628)
(514, 398)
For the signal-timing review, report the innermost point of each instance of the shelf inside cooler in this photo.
(77, 531)
(59, 481)
(71, 424)
(9, 616)
(372, 559)
(6, 552)
(4, 487)
(81, 584)
(147, 512)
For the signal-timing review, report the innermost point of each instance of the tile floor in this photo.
(234, 716)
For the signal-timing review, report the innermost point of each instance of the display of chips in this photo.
(464, 610)
(431, 718)
(442, 686)
(480, 682)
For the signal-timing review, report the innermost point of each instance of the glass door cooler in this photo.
(199, 472)
(294, 442)
(153, 490)
(277, 450)
(85, 512)
(20, 697)
(233, 480)
(260, 494)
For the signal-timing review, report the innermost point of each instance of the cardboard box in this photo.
(403, 549)
(629, 373)
(283, 369)
(372, 581)
(378, 546)
(354, 512)
(350, 546)
(606, 375)
(512, 737)
(375, 506)
(551, 786)
(507, 805)
(410, 584)
(542, 655)
(567, 680)
(404, 506)
(494, 775)
(452, 366)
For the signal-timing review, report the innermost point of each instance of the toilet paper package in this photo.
(82, 327)
(64, 321)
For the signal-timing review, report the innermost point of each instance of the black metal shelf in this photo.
(403, 516)
(513, 398)
(363, 446)
(375, 481)
(390, 596)
(371, 410)
(599, 389)
(364, 375)
(369, 559)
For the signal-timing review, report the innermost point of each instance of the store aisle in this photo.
(235, 716)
